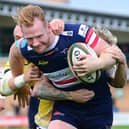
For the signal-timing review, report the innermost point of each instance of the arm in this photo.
(120, 77)
(16, 59)
(9, 81)
(105, 59)
(103, 62)
(16, 62)
(16, 82)
(88, 64)
(57, 26)
(44, 90)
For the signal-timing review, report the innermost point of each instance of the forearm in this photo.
(17, 82)
(16, 62)
(106, 61)
(120, 78)
(46, 91)
(9, 84)
(5, 89)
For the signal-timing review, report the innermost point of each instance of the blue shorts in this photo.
(79, 125)
(91, 118)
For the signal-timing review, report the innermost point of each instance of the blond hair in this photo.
(105, 34)
(27, 14)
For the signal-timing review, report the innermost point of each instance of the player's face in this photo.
(37, 35)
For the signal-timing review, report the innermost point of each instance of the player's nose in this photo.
(35, 42)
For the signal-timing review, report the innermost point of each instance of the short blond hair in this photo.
(27, 14)
(105, 34)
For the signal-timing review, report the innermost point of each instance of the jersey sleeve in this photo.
(20, 44)
(91, 38)
(82, 33)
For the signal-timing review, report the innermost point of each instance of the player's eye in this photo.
(29, 39)
(39, 36)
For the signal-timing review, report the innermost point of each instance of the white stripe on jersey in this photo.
(62, 78)
(59, 75)
(67, 84)
(92, 38)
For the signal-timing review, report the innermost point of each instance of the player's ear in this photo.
(49, 26)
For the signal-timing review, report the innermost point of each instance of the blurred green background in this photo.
(120, 127)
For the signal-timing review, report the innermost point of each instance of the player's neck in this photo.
(52, 37)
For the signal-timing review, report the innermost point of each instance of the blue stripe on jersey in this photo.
(17, 43)
(23, 44)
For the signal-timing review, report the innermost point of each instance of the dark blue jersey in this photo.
(54, 65)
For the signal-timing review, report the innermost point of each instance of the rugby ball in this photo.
(74, 53)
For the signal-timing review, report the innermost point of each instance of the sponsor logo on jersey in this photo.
(42, 62)
(67, 33)
(62, 78)
(83, 29)
(59, 75)
(64, 51)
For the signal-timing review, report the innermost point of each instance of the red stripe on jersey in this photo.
(95, 41)
(66, 81)
(88, 36)
(50, 52)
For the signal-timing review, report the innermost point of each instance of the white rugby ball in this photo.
(74, 53)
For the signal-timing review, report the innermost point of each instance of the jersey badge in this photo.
(83, 29)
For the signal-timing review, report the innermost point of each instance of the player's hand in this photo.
(86, 65)
(117, 54)
(57, 26)
(82, 95)
(33, 73)
(23, 95)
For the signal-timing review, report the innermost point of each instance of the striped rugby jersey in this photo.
(53, 63)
